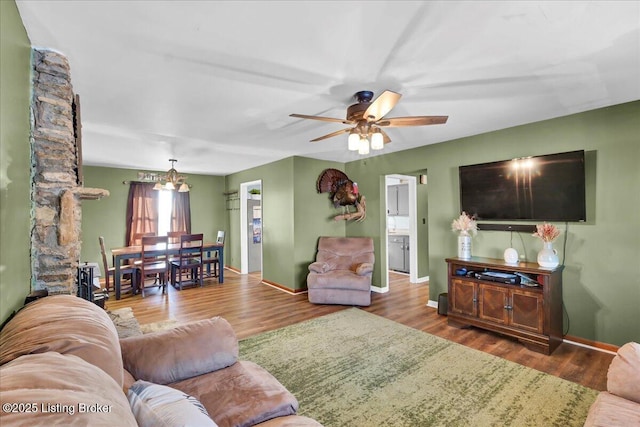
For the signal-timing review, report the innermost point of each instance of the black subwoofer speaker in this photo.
(443, 303)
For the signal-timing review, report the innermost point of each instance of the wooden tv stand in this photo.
(533, 315)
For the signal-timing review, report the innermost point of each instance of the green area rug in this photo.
(356, 369)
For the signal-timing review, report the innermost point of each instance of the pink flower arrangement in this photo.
(464, 223)
(546, 232)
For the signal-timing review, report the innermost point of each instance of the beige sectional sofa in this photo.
(620, 404)
(61, 363)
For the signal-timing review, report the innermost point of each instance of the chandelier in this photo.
(172, 180)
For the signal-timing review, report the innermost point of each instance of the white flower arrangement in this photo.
(465, 224)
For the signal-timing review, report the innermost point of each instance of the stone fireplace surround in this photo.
(56, 177)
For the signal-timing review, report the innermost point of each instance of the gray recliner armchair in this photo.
(341, 273)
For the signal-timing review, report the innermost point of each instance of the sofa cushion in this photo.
(57, 389)
(342, 253)
(609, 410)
(156, 405)
(623, 377)
(241, 395)
(65, 324)
(186, 351)
(339, 279)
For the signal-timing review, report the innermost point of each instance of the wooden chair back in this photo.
(191, 247)
(213, 259)
(174, 236)
(109, 272)
(154, 259)
(189, 260)
(105, 264)
(137, 238)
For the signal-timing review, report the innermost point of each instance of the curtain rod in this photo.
(147, 182)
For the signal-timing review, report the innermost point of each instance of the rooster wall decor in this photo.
(343, 193)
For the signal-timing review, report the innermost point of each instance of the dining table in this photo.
(120, 255)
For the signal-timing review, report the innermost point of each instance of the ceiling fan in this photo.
(367, 120)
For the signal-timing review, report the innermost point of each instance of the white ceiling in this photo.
(212, 83)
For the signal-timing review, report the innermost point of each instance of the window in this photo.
(165, 203)
(155, 212)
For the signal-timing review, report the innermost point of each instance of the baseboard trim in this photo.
(569, 339)
(235, 270)
(580, 342)
(283, 288)
(594, 345)
(423, 279)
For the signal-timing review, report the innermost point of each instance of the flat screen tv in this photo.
(540, 188)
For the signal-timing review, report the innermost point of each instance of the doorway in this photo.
(251, 227)
(401, 225)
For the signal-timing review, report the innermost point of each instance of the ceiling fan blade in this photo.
(413, 121)
(332, 134)
(324, 119)
(381, 106)
(385, 136)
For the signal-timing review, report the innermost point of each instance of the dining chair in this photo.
(213, 259)
(137, 238)
(153, 262)
(189, 261)
(174, 236)
(137, 241)
(109, 272)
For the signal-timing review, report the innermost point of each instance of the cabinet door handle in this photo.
(508, 307)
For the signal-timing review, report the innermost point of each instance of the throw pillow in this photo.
(364, 269)
(319, 267)
(156, 405)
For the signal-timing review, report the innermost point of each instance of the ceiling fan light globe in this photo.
(353, 142)
(169, 186)
(158, 186)
(184, 188)
(363, 146)
(377, 141)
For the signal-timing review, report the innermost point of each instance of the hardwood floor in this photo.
(253, 307)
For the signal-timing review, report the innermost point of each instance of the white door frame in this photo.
(413, 226)
(244, 221)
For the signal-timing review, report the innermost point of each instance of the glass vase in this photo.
(548, 257)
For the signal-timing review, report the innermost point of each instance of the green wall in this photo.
(602, 268)
(106, 217)
(277, 219)
(15, 161)
(313, 215)
(288, 234)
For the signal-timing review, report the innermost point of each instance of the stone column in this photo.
(56, 216)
